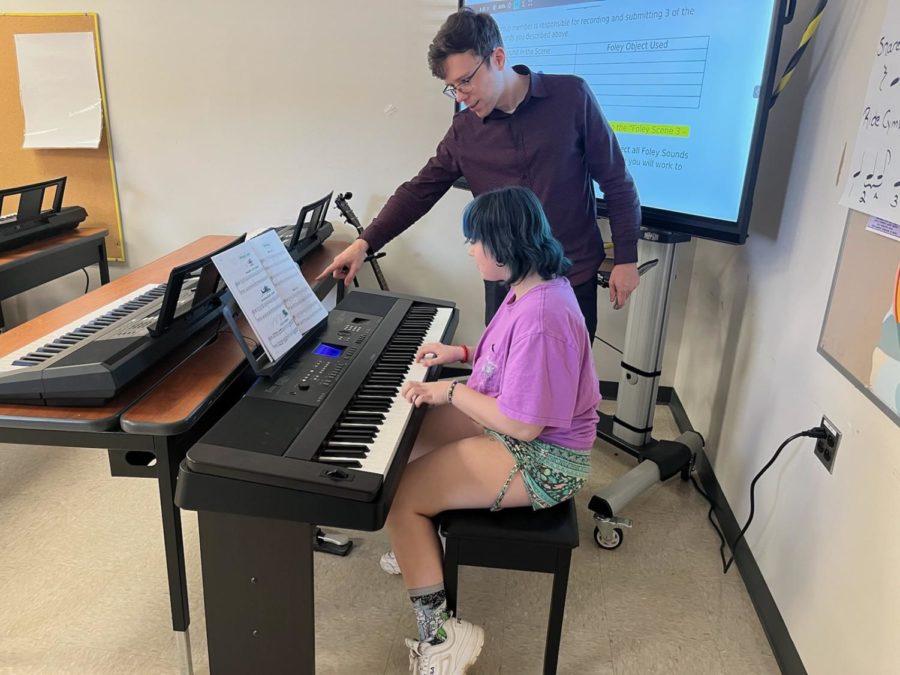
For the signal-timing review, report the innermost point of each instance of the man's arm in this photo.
(416, 197)
(410, 201)
(607, 166)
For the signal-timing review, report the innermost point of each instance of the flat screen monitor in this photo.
(685, 85)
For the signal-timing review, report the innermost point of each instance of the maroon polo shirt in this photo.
(554, 143)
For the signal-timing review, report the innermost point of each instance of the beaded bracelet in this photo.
(450, 391)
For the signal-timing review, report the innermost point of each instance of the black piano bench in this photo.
(515, 539)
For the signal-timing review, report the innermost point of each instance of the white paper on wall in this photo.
(872, 179)
(59, 90)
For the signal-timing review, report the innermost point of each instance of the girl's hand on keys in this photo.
(436, 354)
(421, 393)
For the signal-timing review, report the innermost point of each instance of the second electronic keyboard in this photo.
(88, 361)
(31, 220)
(326, 441)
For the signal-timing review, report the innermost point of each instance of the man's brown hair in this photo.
(463, 31)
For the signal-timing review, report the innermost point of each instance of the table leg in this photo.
(183, 642)
(103, 264)
(258, 591)
(167, 459)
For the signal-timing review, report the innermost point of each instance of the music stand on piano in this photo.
(261, 364)
(208, 293)
(310, 219)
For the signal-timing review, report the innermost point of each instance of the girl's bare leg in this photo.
(442, 425)
(462, 474)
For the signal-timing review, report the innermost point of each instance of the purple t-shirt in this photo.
(535, 359)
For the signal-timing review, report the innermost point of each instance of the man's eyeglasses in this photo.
(464, 85)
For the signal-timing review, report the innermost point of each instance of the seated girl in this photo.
(519, 432)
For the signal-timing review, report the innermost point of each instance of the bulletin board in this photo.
(91, 174)
(861, 333)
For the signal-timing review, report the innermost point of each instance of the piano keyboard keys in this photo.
(62, 339)
(367, 434)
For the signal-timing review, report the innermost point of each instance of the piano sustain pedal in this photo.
(335, 544)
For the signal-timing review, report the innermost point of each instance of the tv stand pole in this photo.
(630, 428)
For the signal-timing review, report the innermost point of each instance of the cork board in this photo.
(91, 174)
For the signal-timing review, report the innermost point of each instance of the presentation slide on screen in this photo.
(679, 81)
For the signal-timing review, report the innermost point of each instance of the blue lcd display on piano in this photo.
(329, 351)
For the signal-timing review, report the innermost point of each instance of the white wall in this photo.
(749, 374)
(229, 115)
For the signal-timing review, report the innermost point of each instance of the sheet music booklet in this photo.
(279, 304)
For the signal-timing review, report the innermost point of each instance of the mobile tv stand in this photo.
(629, 429)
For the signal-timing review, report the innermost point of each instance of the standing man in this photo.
(543, 132)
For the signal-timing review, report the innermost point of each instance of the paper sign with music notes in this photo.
(873, 175)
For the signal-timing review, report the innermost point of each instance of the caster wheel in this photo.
(609, 544)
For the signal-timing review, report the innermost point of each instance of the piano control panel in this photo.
(310, 379)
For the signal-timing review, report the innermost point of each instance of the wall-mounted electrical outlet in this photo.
(826, 448)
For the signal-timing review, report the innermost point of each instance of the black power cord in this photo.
(611, 346)
(87, 279)
(815, 432)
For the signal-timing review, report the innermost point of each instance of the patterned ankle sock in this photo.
(430, 604)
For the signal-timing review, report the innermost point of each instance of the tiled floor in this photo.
(82, 586)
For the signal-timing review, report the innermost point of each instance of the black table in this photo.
(41, 261)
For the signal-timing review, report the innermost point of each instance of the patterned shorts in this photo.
(552, 473)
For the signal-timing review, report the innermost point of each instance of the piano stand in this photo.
(258, 592)
(335, 544)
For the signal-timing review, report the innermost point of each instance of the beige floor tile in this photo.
(483, 595)
(353, 638)
(92, 608)
(27, 656)
(42, 470)
(581, 651)
(749, 663)
(655, 605)
(736, 629)
(528, 600)
(666, 656)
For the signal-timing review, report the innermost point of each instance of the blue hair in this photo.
(511, 225)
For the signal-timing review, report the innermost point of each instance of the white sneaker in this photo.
(451, 657)
(389, 563)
